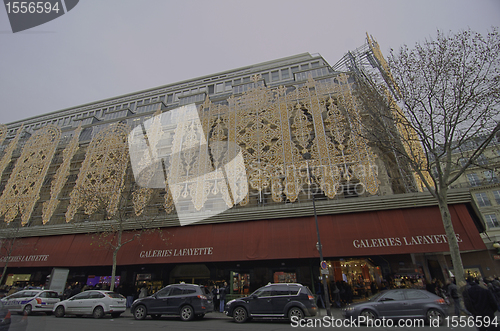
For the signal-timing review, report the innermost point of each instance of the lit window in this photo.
(491, 220)
(482, 199)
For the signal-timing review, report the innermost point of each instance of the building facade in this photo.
(212, 179)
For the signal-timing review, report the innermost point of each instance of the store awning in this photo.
(399, 231)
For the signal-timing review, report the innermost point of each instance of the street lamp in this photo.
(307, 157)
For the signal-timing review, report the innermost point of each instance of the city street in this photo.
(213, 321)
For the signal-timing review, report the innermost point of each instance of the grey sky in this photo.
(102, 49)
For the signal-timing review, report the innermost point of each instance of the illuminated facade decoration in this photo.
(272, 114)
(101, 176)
(6, 158)
(23, 188)
(61, 176)
(275, 127)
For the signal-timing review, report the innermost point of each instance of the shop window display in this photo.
(285, 277)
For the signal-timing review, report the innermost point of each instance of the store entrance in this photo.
(191, 274)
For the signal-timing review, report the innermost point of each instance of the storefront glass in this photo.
(285, 277)
(19, 278)
(241, 283)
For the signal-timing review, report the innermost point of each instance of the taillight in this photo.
(7, 316)
(202, 297)
(310, 297)
(440, 301)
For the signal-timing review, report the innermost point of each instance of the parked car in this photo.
(185, 300)
(399, 303)
(5, 318)
(93, 302)
(28, 301)
(274, 301)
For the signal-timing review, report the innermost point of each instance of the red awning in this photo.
(401, 231)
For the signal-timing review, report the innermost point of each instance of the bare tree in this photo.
(9, 243)
(113, 231)
(449, 93)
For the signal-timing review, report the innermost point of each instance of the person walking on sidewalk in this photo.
(223, 291)
(457, 300)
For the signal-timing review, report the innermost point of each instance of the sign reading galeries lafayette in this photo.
(176, 252)
(398, 231)
(403, 241)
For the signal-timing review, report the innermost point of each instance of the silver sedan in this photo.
(93, 302)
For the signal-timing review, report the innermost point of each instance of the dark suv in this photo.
(274, 301)
(185, 300)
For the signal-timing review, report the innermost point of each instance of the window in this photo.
(473, 179)
(496, 194)
(189, 291)
(275, 75)
(491, 220)
(393, 296)
(96, 295)
(175, 291)
(266, 292)
(490, 176)
(285, 74)
(410, 295)
(280, 290)
(219, 88)
(482, 199)
(163, 293)
(482, 160)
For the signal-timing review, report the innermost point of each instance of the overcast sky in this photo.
(102, 49)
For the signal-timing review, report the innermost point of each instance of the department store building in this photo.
(69, 180)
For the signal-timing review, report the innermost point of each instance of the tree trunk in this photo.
(458, 268)
(4, 272)
(115, 253)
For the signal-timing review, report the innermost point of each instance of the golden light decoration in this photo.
(61, 176)
(23, 188)
(101, 177)
(6, 158)
(274, 128)
(3, 133)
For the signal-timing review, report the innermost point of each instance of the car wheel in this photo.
(115, 315)
(297, 312)
(27, 310)
(240, 315)
(187, 313)
(156, 316)
(368, 314)
(59, 312)
(140, 312)
(98, 312)
(434, 314)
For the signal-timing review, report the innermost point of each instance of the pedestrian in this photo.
(223, 292)
(457, 300)
(216, 297)
(481, 303)
(144, 292)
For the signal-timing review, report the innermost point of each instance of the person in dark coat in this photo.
(480, 302)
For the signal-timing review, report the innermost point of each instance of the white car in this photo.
(28, 301)
(92, 302)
